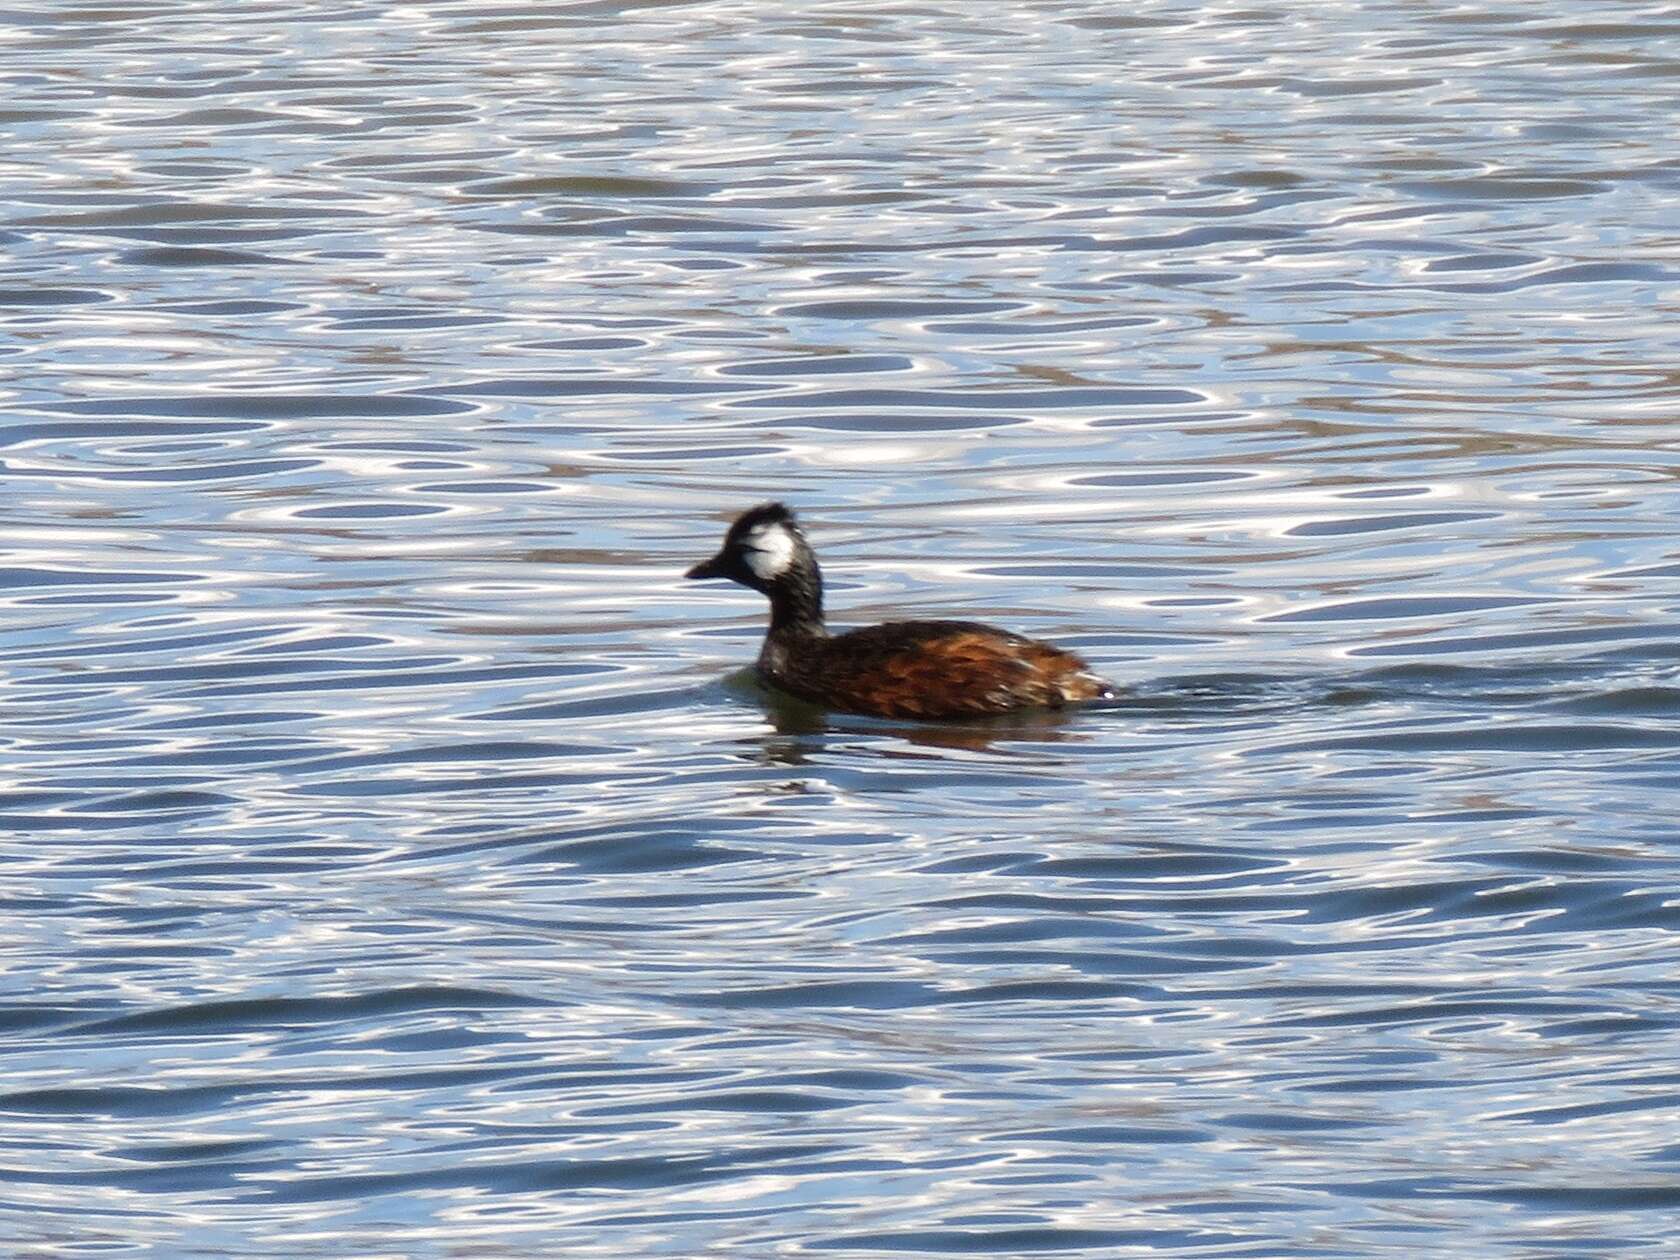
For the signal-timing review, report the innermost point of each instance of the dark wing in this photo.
(927, 669)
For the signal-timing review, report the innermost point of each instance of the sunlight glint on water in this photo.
(400, 859)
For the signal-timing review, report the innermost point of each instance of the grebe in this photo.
(900, 669)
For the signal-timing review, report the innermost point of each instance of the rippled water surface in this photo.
(398, 860)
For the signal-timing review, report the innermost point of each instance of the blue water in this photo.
(399, 860)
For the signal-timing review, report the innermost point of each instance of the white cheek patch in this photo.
(769, 550)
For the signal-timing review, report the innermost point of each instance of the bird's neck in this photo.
(796, 605)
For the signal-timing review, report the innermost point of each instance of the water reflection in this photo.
(799, 726)
(369, 770)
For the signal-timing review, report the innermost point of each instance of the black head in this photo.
(766, 550)
(762, 548)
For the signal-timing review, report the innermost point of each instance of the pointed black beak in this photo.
(713, 568)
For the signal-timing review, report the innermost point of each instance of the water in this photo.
(398, 861)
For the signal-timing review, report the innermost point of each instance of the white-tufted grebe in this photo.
(900, 669)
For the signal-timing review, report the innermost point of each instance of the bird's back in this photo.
(930, 669)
